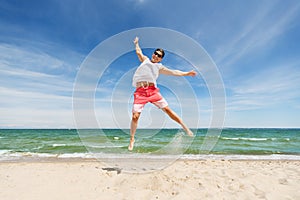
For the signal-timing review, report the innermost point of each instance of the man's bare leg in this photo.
(133, 127)
(176, 118)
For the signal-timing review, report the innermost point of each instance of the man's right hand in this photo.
(136, 40)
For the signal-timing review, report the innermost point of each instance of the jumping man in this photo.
(144, 80)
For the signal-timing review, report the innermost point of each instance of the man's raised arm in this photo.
(138, 50)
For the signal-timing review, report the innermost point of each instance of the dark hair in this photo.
(162, 52)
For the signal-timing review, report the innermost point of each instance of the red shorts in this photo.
(144, 95)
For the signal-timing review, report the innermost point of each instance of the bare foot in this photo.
(131, 143)
(190, 133)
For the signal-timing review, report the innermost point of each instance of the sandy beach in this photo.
(184, 179)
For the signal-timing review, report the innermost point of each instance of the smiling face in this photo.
(157, 56)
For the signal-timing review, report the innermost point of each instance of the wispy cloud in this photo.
(34, 109)
(258, 33)
(30, 89)
(276, 86)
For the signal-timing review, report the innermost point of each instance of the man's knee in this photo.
(135, 116)
(166, 109)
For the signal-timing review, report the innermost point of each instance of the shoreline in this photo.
(183, 179)
(83, 157)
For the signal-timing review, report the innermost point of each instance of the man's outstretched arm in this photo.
(167, 71)
(138, 50)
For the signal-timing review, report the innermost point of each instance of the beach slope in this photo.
(185, 179)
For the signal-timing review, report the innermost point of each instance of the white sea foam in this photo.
(241, 138)
(76, 155)
(16, 156)
(3, 152)
(59, 145)
(240, 157)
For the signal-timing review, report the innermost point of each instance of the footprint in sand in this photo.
(282, 181)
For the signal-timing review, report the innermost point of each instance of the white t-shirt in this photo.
(147, 71)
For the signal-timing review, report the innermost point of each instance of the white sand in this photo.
(207, 179)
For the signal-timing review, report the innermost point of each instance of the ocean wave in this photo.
(246, 139)
(76, 155)
(4, 152)
(281, 139)
(255, 139)
(241, 157)
(59, 145)
(104, 147)
(18, 156)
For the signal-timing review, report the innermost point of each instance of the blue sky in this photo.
(255, 45)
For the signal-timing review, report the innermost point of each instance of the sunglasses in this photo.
(157, 54)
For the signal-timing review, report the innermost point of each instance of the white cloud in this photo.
(31, 94)
(259, 31)
(35, 118)
(275, 86)
(22, 58)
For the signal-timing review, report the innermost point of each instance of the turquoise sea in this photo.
(232, 143)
